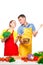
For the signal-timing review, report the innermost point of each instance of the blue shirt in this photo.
(21, 28)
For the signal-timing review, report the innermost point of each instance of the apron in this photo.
(26, 48)
(11, 48)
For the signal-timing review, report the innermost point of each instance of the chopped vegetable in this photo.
(11, 59)
(25, 59)
(38, 54)
(40, 61)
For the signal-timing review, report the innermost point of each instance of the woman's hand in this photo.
(4, 39)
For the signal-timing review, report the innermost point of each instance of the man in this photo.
(24, 23)
(25, 49)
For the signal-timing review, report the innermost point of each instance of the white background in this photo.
(33, 9)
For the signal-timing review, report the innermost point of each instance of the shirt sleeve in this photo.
(33, 27)
(20, 30)
(1, 37)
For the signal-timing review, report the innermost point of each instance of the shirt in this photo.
(21, 28)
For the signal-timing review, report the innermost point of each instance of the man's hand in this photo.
(35, 32)
(41, 25)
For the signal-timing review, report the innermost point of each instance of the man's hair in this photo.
(21, 15)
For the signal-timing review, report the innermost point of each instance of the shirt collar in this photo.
(26, 25)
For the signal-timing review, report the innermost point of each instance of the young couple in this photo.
(11, 48)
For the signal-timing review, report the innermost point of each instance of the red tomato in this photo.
(24, 59)
(7, 59)
(35, 58)
(2, 59)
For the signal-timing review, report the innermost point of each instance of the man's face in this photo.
(22, 20)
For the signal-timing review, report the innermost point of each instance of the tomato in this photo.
(7, 59)
(2, 59)
(35, 58)
(24, 59)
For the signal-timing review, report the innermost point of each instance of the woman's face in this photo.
(13, 24)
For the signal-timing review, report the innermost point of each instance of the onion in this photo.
(31, 56)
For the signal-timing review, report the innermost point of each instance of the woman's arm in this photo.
(16, 40)
(4, 39)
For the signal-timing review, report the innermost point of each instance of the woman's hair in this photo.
(11, 22)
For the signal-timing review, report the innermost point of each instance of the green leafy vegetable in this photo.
(6, 34)
(12, 59)
(40, 61)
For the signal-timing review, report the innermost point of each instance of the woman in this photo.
(11, 48)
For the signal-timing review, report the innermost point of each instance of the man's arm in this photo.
(35, 33)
